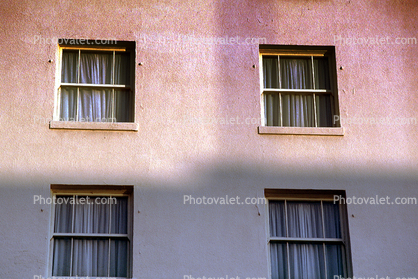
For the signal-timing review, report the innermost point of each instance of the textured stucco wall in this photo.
(170, 157)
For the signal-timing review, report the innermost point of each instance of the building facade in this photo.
(209, 139)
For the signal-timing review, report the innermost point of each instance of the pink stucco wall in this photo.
(172, 155)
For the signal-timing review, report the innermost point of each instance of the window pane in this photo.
(332, 220)
(62, 257)
(278, 261)
(304, 219)
(95, 105)
(123, 108)
(119, 258)
(298, 110)
(334, 261)
(323, 108)
(69, 66)
(122, 68)
(296, 73)
(119, 216)
(321, 73)
(270, 72)
(63, 215)
(272, 109)
(92, 217)
(277, 218)
(90, 257)
(96, 67)
(306, 261)
(68, 103)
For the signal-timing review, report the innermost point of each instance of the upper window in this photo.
(91, 235)
(96, 83)
(298, 87)
(308, 236)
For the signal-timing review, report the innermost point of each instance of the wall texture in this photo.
(173, 155)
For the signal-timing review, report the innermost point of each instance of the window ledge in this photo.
(308, 131)
(74, 125)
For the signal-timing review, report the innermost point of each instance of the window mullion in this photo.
(314, 95)
(324, 236)
(109, 231)
(315, 110)
(72, 239)
(325, 261)
(280, 87)
(108, 259)
(113, 83)
(281, 109)
(288, 260)
(287, 243)
(77, 117)
(71, 256)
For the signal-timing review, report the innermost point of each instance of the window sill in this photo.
(74, 125)
(307, 131)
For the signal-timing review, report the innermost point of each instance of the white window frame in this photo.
(299, 51)
(56, 123)
(310, 196)
(92, 191)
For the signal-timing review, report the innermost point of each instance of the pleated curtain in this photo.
(297, 109)
(90, 256)
(95, 104)
(304, 260)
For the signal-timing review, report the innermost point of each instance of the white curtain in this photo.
(304, 260)
(90, 255)
(297, 109)
(95, 104)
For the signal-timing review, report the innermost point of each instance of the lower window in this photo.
(308, 238)
(91, 236)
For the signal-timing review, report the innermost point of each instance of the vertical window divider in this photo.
(280, 94)
(314, 95)
(287, 243)
(109, 230)
(113, 89)
(108, 258)
(323, 235)
(78, 88)
(72, 238)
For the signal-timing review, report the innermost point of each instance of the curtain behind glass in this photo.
(278, 256)
(96, 68)
(277, 219)
(270, 72)
(306, 261)
(296, 73)
(95, 105)
(297, 109)
(69, 66)
(305, 221)
(91, 255)
(62, 257)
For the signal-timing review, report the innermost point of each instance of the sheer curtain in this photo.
(92, 104)
(86, 255)
(298, 110)
(305, 260)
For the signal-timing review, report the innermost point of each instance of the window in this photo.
(298, 86)
(91, 235)
(96, 83)
(308, 235)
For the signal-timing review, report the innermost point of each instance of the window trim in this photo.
(93, 190)
(55, 123)
(308, 51)
(308, 196)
